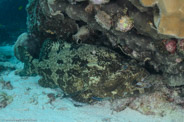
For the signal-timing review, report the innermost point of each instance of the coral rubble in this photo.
(5, 99)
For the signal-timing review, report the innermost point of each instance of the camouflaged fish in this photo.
(87, 73)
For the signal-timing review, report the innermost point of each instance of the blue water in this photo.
(12, 20)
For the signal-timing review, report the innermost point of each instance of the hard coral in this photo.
(171, 46)
(148, 2)
(124, 24)
(170, 18)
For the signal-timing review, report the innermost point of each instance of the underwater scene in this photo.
(91, 61)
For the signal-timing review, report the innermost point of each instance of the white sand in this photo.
(32, 105)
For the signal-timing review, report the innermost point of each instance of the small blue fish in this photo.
(100, 99)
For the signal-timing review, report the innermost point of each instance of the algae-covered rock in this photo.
(87, 72)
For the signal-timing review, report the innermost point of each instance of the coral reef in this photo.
(69, 42)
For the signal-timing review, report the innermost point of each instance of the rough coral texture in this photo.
(170, 18)
(90, 32)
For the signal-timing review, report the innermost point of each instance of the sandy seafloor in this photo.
(31, 103)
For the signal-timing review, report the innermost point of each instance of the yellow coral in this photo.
(171, 17)
(148, 2)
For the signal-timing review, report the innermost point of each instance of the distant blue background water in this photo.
(12, 20)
